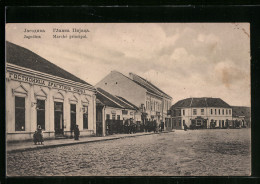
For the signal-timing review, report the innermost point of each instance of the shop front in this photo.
(35, 97)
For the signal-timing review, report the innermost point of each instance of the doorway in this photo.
(58, 118)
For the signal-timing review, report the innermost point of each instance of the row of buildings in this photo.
(41, 93)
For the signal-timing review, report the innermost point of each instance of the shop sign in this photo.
(46, 83)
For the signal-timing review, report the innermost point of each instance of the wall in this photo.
(35, 91)
(207, 115)
(109, 110)
(118, 84)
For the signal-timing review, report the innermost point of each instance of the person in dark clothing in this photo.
(76, 132)
(37, 136)
(185, 127)
(162, 126)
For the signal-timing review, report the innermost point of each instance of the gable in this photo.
(58, 97)
(41, 94)
(20, 91)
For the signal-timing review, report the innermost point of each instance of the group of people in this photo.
(38, 135)
(130, 126)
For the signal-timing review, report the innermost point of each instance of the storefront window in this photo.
(113, 116)
(19, 114)
(41, 113)
(85, 117)
(73, 116)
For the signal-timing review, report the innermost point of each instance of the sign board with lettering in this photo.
(35, 80)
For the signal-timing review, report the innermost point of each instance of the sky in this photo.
(182, 59)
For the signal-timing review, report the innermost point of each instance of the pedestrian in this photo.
(38, 136)
(76, 132)
(185, 126)
(162, 126)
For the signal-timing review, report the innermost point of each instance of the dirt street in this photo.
(222, 152)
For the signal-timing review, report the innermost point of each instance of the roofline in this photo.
(205, 98)
(38, 55)
(202, 107)
(127, 103)
(19, 69)
(154, 87)
(110, 99)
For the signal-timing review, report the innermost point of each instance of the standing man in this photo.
(76, 132)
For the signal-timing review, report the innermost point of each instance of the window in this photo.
(73, 116)
(211, 111)
(179, 122)
(183, 112)
(99, 116)
(226, 111)
(41, 113)
(113, 116)
(118, 117)
(194, 111)
(202, 111)
(223, 111)
(85, 117)
(219, 111)
(215, 111)
(19, 114)
(199, 123)
(108, 116)
(230, 112)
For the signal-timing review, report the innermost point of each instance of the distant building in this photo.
(201, 113)
(152, 101)
(112, 111)
(39, 93)
(243, 115)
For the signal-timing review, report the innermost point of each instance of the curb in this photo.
(74, 143)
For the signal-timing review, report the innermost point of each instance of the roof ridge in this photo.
(121, 98)
(109, 98)
(42, 60)
(162, 93)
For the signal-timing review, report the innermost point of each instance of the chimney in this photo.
(131, 75)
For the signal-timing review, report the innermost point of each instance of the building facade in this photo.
(39, 93)
(201, 113)
(112, 112)
(242, 116)
(152, 101)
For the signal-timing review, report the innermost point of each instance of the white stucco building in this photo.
(152, 101)
(201, 113)
(41, 93)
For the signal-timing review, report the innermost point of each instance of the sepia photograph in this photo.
(128, 99)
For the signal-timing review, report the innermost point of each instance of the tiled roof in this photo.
(25, 58)
(149, 86)
(148, 89)
(126, 101)
(111, 100)
(241, 111)
(201, 102)
(106, 101)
